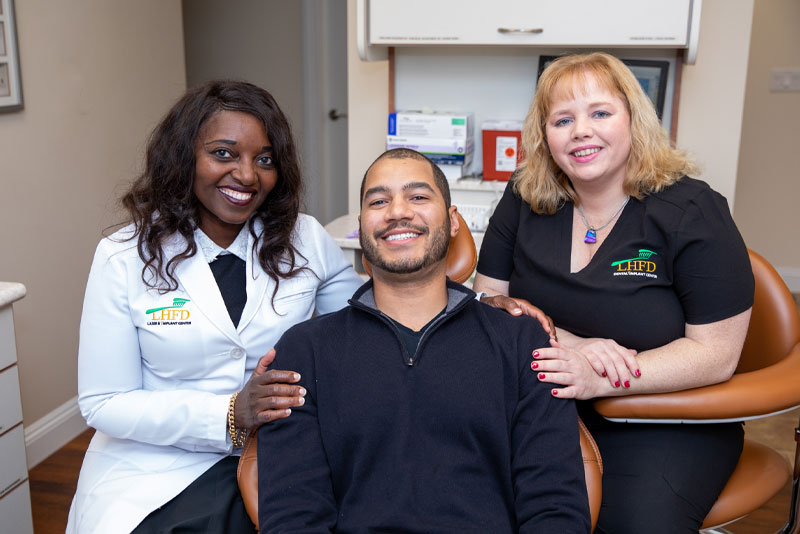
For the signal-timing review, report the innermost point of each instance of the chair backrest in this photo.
(774, 323)
(461, 255)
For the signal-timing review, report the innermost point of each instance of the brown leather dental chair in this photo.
(461, 261)
(766, 382)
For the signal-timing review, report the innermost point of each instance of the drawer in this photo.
(8, 349)
(15, 509)
(10, 406)
(13, 464)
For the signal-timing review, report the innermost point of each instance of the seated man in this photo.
(422, 413)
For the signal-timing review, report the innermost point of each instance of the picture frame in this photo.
(10, 79)
(651, 74)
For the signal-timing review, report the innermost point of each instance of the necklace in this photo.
(591, 231)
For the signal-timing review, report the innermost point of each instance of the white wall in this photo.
(768, 185)
(368, 106)
(96, 77)
(712, 93)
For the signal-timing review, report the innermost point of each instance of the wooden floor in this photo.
(53, 482)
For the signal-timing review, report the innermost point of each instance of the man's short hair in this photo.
(406, 153)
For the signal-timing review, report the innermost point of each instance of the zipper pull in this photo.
(411, 362)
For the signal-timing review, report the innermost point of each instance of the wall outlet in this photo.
(784, 80)
(476, 215)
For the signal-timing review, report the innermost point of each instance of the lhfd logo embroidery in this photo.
(640, 266)
(175, 314)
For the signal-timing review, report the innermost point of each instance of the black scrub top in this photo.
(672, 258)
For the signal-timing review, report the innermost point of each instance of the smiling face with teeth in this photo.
(234, 172)
(405, 225)
(588, 132)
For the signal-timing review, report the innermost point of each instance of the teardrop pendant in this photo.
(591, 236)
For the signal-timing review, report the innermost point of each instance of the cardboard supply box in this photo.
(444, 151)
(502, 148)
(441, 125)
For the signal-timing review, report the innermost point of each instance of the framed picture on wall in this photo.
(10, 81)
(651, 74)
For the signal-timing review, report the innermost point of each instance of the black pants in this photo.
(211, 504)
(663, 478)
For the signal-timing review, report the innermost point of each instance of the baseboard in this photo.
(790, 275)
(53, 431)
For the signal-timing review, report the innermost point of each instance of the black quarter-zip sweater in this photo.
(463, 438)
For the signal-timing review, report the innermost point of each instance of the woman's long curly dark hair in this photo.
(161, 201)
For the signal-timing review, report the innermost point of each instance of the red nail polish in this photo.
(535, 365)
(555, 392)
(638, 372)
(541, 376)
(536, 354)
(627, 384)
(604, 374)
(616, 384)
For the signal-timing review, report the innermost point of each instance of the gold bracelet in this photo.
(238, 435)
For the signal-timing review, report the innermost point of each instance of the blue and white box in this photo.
(440, 125)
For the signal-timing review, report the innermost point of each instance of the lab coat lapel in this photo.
(257, 282)
(198, 281)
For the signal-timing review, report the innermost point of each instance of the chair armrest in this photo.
(744, 396)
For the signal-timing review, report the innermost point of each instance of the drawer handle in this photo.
(520, 30)
(9, 487)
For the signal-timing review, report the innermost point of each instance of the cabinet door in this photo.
(10, 406)
(8, 349)
(15, 511)
(569, 23)
(13, 467)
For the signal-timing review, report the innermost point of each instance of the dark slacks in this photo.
(663, 478)
(211, 504)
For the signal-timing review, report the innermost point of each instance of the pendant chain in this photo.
(591, 231)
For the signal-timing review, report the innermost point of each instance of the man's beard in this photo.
(440, 240)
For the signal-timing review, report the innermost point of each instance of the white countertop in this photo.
(10, 292)
(477, 184)
(344, 231)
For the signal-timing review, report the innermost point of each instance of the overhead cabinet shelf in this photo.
(544, 23)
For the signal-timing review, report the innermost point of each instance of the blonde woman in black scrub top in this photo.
(644, 274)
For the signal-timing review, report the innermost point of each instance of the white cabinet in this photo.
(15, 501)
(584, 23)
(15, 511)
(551, 23)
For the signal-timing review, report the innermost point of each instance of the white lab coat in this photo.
(156, 385)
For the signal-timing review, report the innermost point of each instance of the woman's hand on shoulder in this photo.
(268, 395)
(516, 306)
(562, 366)
(571, 368)
(610, 360)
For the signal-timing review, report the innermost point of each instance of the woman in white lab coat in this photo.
(168, 337)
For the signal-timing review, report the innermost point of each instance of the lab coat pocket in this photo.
(295, 297)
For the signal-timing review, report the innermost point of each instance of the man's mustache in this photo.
(422, 230)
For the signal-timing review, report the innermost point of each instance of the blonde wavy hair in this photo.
(653, 163)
